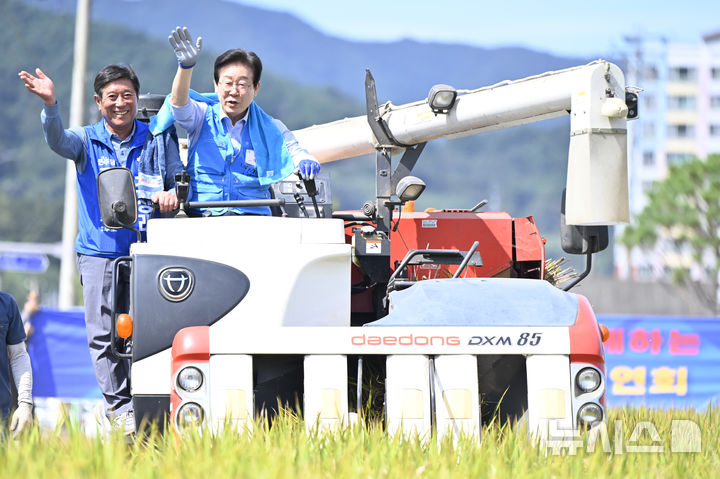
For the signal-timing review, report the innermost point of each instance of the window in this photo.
(648, 158)
(681, 102)
(715, 102)
(649, 130)
(651, 73)
(681, 131)
(679, 158)
(649, 102)
(683, 74)
(715, 73)
(715, 130)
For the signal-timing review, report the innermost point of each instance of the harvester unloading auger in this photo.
(443, 314)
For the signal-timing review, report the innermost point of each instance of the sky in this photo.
(561, 27)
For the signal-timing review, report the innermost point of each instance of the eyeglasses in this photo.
(239, 85)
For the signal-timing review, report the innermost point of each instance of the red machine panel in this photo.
(529, 245)
(455, 230)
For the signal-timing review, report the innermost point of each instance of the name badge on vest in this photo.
(250, 157)
(105, 162)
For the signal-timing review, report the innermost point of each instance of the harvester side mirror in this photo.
(632, 102)
(576, 239)
(117, 198)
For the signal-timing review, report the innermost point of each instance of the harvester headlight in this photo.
(590, 414)
(441, 98)
(588, 380)
(409, 188)
(190, 414)
(189, 379)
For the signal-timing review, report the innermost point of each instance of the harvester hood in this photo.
(481, 302)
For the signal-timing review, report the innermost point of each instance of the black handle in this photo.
(113, 309)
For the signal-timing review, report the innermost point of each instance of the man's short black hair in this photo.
(238, 55)
(111, 73)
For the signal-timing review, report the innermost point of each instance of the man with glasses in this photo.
(235, 149)
(117, 140)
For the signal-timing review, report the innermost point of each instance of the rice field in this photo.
(637, 442)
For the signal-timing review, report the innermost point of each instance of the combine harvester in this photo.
(437, 320)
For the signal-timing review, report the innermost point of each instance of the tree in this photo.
(682, 221)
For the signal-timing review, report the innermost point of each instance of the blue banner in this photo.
(60, 356)
(662, 361)
(654, 361)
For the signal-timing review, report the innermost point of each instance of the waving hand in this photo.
(41, 85)
(186, 52)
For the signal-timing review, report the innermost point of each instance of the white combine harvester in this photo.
(443, 315)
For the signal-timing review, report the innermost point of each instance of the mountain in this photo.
(309, 78)
(484, 165)
(32, 176)
(404, 71)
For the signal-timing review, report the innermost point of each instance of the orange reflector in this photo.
(604, 332)
(409, 206)
(124, 325)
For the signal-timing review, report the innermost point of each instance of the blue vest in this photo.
(217, 173)
(94, 238)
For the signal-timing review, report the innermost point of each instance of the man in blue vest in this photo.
(235, 149)
(117, 140)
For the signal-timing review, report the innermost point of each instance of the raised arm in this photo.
(187, 54)
(66, 143)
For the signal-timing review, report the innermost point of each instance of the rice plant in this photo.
(635, 442)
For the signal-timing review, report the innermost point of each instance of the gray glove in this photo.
(186, 53)
(21, 418)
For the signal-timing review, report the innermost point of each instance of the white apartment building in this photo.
(679, 118)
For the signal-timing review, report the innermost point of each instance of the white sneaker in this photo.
(126, 422)
(103, 423)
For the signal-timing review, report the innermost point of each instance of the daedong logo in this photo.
(176, 284)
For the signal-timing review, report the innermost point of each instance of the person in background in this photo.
(117, 140)
(236, 150)
(30, 307)
(17, 361)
